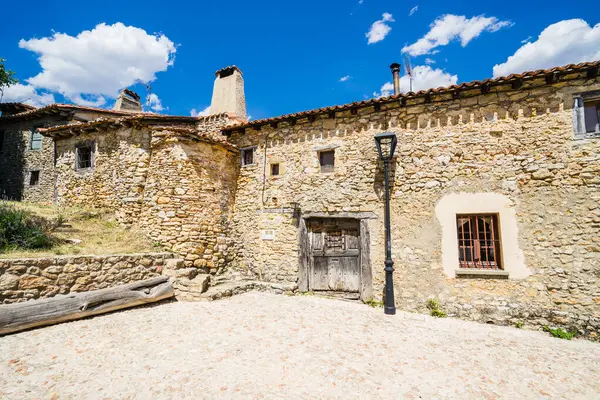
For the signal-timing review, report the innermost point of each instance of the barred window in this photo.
(478, 241)
(85, 156)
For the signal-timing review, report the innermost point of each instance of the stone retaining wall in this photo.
(33, 278)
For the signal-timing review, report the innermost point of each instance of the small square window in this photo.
(34, 178)
(85, 157)
(274, 169)
(36, 139)
(327, 160)
(248, 156)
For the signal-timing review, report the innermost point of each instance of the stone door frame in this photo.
(366, 275)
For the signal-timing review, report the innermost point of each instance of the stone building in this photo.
(494, 193)
(27, 157)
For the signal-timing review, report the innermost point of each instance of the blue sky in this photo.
(293, 54)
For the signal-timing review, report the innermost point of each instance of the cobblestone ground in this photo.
(260, 345)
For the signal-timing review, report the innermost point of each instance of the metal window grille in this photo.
(327, 160)
(478, 241)
(84, 157)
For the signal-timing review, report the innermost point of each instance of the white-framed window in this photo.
(248, 156)
(36, 139)
(586, 114)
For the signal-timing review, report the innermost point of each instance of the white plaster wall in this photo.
(513, 259)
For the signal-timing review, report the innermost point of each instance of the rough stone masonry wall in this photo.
(33, 278)
(116, 181)
(17, 160)
(188, 198)
(469, 145)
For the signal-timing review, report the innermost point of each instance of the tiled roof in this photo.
(57, 107)
(16, 106)
(557, 71)
(69, 129)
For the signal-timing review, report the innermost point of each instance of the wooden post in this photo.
(20, 316)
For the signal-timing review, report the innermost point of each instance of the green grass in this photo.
(435, 309)
(560, 333)
(98, 231)
(374, 303)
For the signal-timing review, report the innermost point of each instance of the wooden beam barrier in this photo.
(62, 308)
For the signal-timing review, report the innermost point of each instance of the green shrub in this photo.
(19, 229)
(560, 333)
(435, 309)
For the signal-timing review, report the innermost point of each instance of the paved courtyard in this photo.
(259, 345)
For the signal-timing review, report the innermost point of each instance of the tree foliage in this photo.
(7, 77)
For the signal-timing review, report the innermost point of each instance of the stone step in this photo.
(231, 288)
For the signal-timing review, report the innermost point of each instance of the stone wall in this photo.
(514, 143)
(176, 182)
(33, 278)
(18, 159)
(188, 198)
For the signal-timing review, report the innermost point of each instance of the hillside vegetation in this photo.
(32, 230)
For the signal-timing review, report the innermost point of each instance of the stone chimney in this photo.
(228, 93)
(128, 100)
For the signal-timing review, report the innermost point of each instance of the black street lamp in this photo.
(386, 145)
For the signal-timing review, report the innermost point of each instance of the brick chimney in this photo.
(228, 93)
(128, 100)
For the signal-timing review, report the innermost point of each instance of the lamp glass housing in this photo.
(386, 145)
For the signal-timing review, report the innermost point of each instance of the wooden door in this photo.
(335, 255)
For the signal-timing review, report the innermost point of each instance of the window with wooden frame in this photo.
(248, 156)
(327, 160)
(478, 241)
(36, 139)
(85, 156)
(275, 169)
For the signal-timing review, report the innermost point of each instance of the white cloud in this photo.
(429, 61)
(527, 40)
(360, 1)
(154, 103)
(386, 90)
(413, 10)
(27, 94)
(452, 27)
(565, 42)
(379, 30)
(424, 77)
(202, 113)
(345, 78)
(95, 64)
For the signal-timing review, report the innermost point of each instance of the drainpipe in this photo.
(395, 67)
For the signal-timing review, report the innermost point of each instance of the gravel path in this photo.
(259, 345)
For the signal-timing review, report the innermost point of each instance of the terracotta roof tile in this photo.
(52, 108)
(411, 95)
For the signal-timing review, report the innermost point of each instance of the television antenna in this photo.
(409, 71)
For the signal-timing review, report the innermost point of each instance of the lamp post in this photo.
(386, 145)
